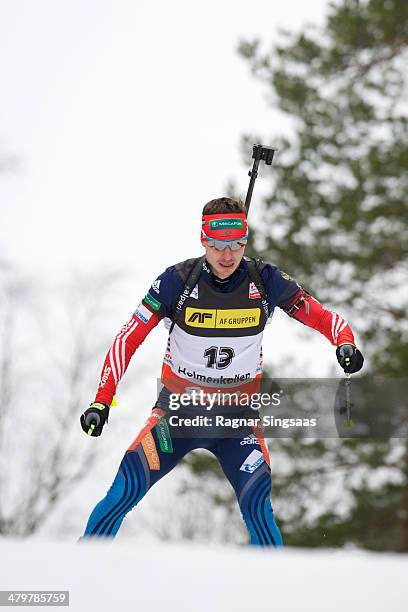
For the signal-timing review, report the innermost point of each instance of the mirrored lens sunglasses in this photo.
(234, 245)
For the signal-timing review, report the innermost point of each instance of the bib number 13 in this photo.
(219, 357)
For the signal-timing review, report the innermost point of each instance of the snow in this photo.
(134, 575)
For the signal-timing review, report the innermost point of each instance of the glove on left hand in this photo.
(350, 358)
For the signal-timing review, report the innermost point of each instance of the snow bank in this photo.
(131, 576)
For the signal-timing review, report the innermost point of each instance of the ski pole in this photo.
(259, 153)
(92, 425)
(348, 423)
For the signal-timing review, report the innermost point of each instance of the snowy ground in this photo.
(129, 576)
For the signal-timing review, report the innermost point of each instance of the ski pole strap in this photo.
(255, 276)
(189, 285)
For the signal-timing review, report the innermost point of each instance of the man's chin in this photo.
(225, 271)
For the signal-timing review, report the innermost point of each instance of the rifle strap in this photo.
(189, 285)
(255, 276)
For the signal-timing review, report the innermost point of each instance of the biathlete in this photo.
(216, 308)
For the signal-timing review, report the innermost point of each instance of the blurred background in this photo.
(119, 121)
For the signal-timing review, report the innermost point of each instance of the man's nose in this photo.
(227, 253)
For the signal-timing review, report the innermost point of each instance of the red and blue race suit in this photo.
(216, 343)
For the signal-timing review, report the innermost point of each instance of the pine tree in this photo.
(337, 215)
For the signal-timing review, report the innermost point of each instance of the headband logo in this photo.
(217, 224)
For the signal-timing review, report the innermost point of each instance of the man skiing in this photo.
(216, 308)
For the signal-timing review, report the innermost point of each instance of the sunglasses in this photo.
(234, 245)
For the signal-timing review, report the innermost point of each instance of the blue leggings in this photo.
(244, 460)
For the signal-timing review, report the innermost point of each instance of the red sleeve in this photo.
(310, 312)
(117, 360)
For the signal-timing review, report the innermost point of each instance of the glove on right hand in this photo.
(94, 418)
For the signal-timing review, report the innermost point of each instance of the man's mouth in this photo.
(226, 265)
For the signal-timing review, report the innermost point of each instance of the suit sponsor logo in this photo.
(156, 285)
(149, 299)
(143, 313)
(107, 370)
(286, 276)
(182, 299)
(216, 318)
(200, 317)
(150, 451)
(219, 380)
(163, 435)
(194, 293)
(253, 292)
(252, 462)
(251, 439)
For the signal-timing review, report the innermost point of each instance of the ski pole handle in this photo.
(94, 418)
(93, 424)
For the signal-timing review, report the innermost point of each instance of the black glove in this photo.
(350, 358)
(94, 418)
